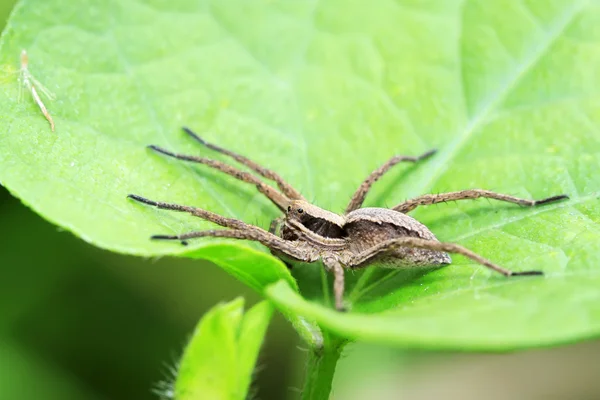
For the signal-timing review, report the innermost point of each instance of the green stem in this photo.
(320, 370)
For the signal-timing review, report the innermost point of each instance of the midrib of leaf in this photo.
(495, 99)
(474, 124)
(267, 70)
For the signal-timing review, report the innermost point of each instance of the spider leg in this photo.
(369, 255)
(285, 187)
(252, 233)
(333, 265)
(428, 199)
(196, 212)
(42, 107)
(359, 196)
(271, 193)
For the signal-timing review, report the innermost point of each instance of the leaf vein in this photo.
(480, 118)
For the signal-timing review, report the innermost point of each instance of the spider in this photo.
(359, 238)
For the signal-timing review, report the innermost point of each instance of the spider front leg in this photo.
(241, 230)
(368, 256)
(280, 200)
(471, 194)
(285, 187)
(196, 212)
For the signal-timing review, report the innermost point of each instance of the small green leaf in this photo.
(251, 334)
(220, 358)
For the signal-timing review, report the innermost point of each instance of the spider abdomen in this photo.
(368, 227)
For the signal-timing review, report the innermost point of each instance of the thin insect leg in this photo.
(332, 264)
(285, 187)
(277, 198)
(26, 80)
(368, 255)
(42, 89)
(42, 107)
(258, 235)
(359, 196)
(470, 194)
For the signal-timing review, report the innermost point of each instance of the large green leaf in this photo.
(324, 92)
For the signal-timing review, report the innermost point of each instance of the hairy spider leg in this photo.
(368, 256)
(285, 187)
(280, 200)
(333, 265)
(471, 194)
(359, 196)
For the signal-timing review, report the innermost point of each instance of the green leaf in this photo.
(219, 360)
(324, 92)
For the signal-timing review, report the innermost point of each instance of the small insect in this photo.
(28, 82)
(357, 239)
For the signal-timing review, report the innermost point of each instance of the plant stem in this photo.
(320, 370)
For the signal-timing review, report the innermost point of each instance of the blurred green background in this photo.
(77, 322)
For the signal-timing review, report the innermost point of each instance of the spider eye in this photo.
(289, 208)
(300, 211)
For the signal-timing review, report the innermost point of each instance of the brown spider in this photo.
(357, 239)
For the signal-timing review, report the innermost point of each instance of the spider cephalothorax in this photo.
(361, 237)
